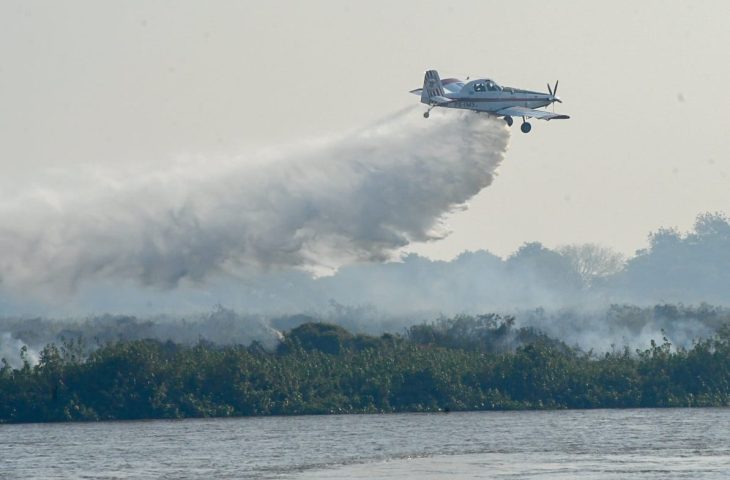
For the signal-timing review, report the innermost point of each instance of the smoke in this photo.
(10, 351)
(358, 197)
(618, 326)
(602, 329)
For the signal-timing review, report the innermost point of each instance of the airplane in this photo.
(485, 95)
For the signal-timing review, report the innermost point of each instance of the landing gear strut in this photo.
(508, 120)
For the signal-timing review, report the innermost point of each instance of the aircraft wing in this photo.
(530, 112)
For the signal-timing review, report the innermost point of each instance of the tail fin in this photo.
(432, 87)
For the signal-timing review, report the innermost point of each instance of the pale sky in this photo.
(143, 82)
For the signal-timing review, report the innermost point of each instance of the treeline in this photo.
(464, 363)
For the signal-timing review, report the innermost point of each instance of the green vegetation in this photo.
(464, 363)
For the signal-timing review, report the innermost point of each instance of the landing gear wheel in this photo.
(526, 127)
(508, 120)
(426, 114)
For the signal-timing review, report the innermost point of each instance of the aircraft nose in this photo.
(555, 98)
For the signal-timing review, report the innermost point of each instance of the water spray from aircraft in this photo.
(359, 197)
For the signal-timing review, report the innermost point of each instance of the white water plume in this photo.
(359, 197)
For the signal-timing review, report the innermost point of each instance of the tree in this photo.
(324, 337)
(546, 267)
(712, 224)
(591, 261)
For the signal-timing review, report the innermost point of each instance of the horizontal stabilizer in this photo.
(439, 100)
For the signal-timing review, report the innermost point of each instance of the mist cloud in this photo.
(359, 197)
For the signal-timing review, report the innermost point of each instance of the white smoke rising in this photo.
(358, 197)
(10, 348)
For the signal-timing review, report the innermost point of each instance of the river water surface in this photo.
(588, 444)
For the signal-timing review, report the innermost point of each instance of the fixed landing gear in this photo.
(426, 114)
(508, 120)
(526, 127)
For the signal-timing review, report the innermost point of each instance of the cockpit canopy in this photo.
(486, 85)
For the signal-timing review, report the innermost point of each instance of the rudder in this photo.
(432, 86)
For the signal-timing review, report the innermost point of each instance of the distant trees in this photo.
(454, 364)
(490, 333)
(712, 225)
(689, 267)
(326, 338)
(591, 261)
(534, 263)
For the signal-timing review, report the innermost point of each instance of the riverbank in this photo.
(323, 369)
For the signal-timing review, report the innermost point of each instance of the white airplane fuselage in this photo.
(486, 95)
(491, 100)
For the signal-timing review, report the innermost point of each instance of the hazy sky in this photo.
(144, 82)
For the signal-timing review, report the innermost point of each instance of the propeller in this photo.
(554, 92)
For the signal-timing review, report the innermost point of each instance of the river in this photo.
(585, 444)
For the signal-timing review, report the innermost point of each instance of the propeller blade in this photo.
(555, 90)
(550, 90)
